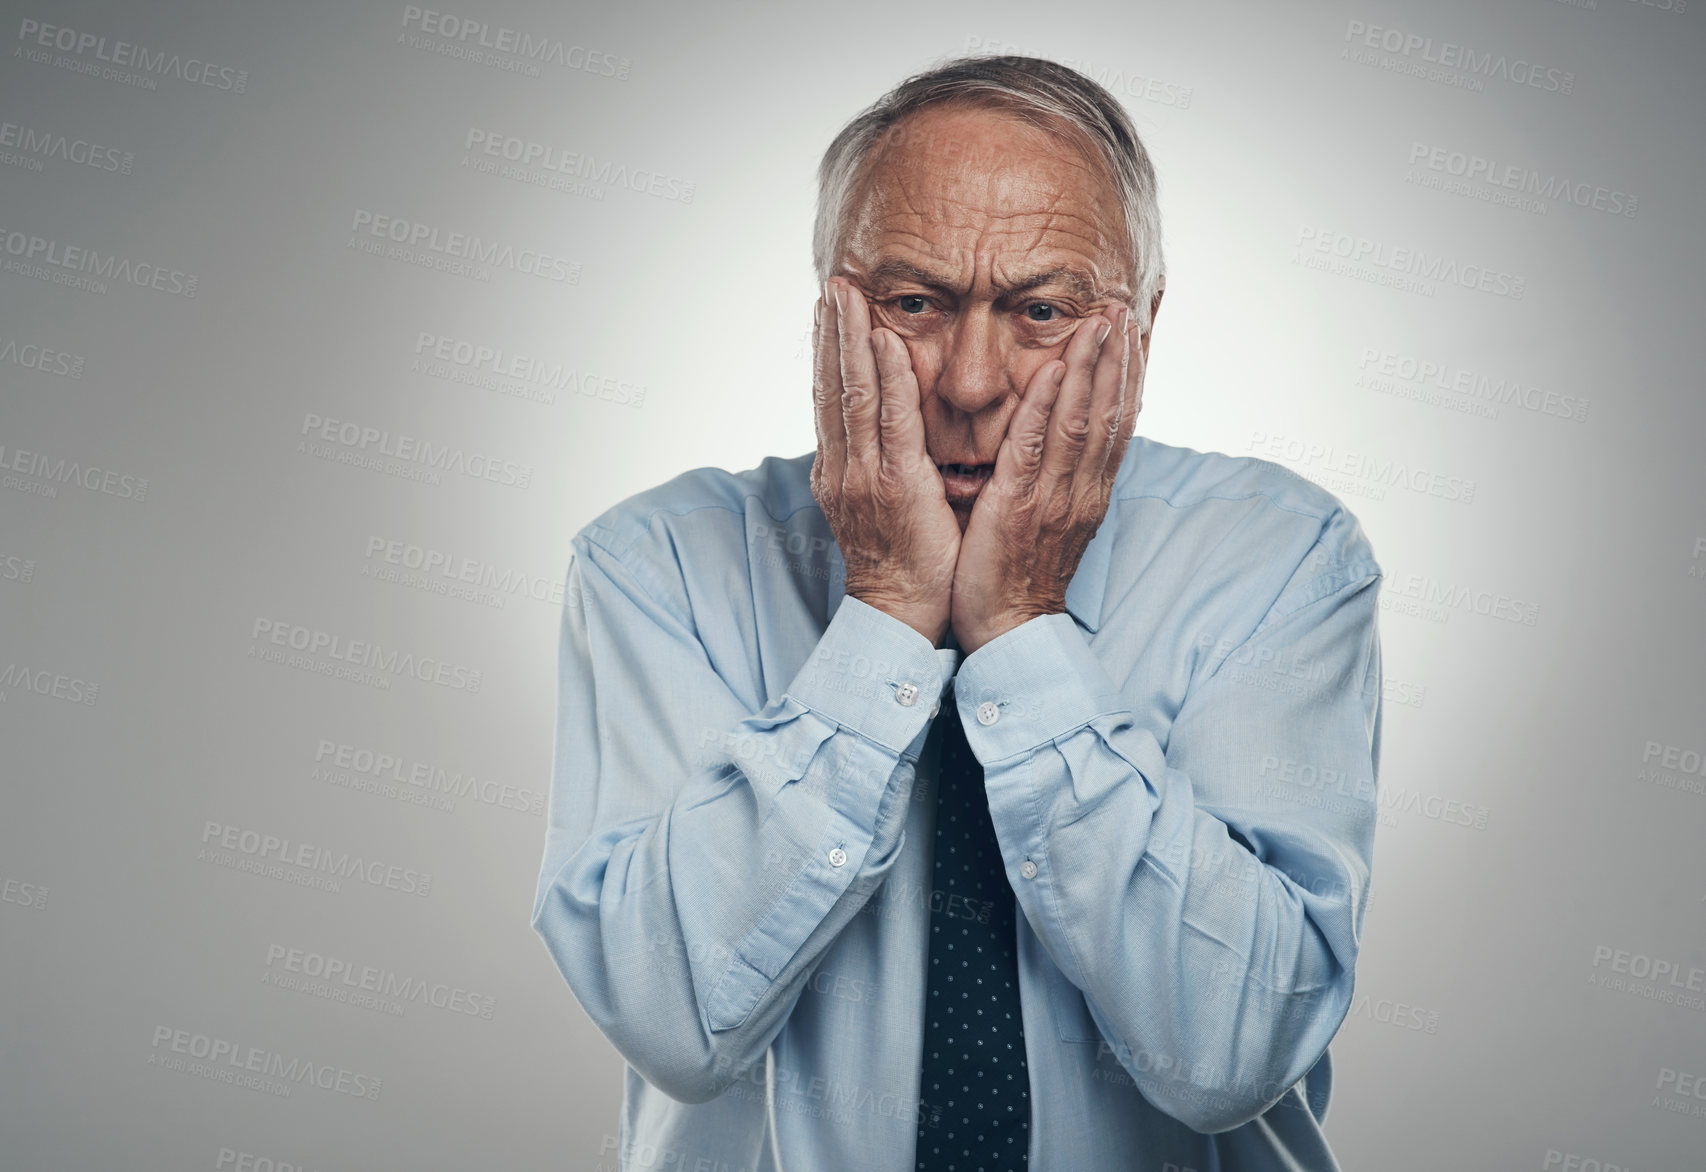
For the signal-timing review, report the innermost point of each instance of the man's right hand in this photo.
(877, 485)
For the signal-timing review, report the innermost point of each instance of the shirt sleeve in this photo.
(700, 856)
(1207, 895)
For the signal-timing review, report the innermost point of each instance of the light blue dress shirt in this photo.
(1181, 772)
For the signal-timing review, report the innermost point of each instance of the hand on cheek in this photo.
(872, 477)
(1053, 478)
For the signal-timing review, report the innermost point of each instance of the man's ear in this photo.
(1154, 308)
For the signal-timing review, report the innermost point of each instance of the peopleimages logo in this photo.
(344, 441)
(23, 894)
(1673, 767)
(492, 368)
(359, 657)
(33, 144)
(1412, 268)
(42, 682)
(43, 358)
(1349, 469)
(386, 768)
(526, 153)
(16, 568)
(1117, 82)
(121, 57)
(233, 1160)
(44, 259)
(224, 1060)
(416, 239)
(1516, 179)
(41, 475)
(1394, 1013)
(222, 844)
(1486, 392)
(1399, 800)
(1689, 1090)
(439, 571)
(338, 979)
(1418, 53)
(1425, 596)
(475, 40)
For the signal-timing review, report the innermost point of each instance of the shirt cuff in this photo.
(1037, 682)
(875, 675)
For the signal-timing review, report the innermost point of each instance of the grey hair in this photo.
(1044, 93)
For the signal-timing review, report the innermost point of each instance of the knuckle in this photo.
(1075, 428)
(855, 391)
(1088, 509)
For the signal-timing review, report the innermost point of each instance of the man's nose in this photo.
(974, 369)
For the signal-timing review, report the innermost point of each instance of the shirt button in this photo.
(1028, 869)
(988, 712)
(839, 856)
(906, 695)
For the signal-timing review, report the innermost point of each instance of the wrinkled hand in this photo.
(877, 486)
(1053, 477)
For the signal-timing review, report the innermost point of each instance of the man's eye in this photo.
(912, 303)
(1046, 308)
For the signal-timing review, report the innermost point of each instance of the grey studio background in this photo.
(324, 327)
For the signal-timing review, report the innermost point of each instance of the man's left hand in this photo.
(1053, 477)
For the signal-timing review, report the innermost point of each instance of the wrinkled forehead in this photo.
(951, 178)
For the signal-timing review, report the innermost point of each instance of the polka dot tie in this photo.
(976, 1087)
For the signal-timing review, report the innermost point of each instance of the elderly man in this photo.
(985, 789)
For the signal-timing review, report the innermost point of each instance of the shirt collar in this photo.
(1084, 593)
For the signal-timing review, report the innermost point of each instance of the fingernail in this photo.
(1103, 335)
(840, 306)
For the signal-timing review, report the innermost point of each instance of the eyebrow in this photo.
(901, 270)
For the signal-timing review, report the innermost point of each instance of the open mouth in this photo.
(963, 482)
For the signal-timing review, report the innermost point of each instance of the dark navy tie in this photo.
(976, 1086)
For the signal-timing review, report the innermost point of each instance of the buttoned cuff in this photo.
(874, 675)
(1037, 682)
